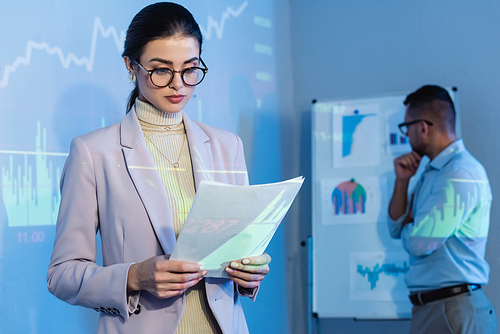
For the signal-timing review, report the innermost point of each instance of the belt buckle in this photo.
(419, 295)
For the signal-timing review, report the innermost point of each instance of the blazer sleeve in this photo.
(240, 164)
(73, 275)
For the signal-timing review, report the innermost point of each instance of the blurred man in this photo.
(444, 223)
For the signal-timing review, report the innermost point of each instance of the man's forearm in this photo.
(399, 200)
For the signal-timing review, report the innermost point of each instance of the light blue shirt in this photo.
(451, 210)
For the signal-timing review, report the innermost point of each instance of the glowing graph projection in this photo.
(66, 60)
(349, 198)
(219, 26)
(63, 69)
(111, 31)
(373, 274)
(30, 195)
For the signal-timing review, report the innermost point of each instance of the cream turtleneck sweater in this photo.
(167, 142)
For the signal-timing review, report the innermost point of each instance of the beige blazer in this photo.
(110, 185)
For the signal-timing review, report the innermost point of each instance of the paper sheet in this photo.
(228, 222)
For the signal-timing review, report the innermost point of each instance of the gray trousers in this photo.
(467, 313)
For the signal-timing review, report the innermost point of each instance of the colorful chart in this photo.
(349, 198)
(397, 139)
(353, 200)
(395, 142)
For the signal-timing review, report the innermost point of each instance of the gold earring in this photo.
(132, 77)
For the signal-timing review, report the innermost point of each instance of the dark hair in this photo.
(424, 98)
(428, 94)
(159, 20)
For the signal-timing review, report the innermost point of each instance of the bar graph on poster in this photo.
(354, 144)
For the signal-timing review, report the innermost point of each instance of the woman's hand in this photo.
(163, 278)
(250, 271)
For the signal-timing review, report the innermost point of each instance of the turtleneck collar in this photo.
(149, 114)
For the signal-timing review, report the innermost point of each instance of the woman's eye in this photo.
(190, 70)
(162, 71)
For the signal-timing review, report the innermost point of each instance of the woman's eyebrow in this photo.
(169, 62)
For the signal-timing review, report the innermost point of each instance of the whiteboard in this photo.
(358, 270)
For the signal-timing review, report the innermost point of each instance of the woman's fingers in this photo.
(164, 278)
(250, 271)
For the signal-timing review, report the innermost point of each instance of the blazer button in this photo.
(138, 309)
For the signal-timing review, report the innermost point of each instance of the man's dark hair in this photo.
(428, 100)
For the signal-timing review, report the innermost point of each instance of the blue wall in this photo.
(61, 75)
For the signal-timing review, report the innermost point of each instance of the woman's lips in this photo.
(175, 98)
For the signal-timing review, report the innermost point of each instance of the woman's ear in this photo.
(130, 68)
(129, 65)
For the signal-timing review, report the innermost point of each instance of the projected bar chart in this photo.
(29, 191)
(63, 76)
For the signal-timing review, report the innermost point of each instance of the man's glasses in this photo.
(163, 76)
(403, 127)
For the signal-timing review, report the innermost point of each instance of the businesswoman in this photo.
(134, 183)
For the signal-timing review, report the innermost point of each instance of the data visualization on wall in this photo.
(62, 75)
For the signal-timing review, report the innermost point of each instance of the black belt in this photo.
(421, 298)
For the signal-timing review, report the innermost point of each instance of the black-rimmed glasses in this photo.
(403, 127)
(163, 76)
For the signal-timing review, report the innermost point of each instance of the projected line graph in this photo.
(388, 269)
(29, 191)
(218, 26)
(99, 29)
(66, 60)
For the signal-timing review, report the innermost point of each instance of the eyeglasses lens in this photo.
(191, 77)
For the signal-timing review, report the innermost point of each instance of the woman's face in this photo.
(175, 53)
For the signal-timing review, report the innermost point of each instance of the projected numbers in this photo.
(208, 225)
(34, 237)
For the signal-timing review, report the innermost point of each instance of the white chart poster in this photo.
(354, 144)
(356, 135)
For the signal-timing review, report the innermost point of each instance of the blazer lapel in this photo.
(201, 153)
(147, 181)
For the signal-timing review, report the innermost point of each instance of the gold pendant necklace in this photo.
(176, 163)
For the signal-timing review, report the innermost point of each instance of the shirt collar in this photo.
(447, 154)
